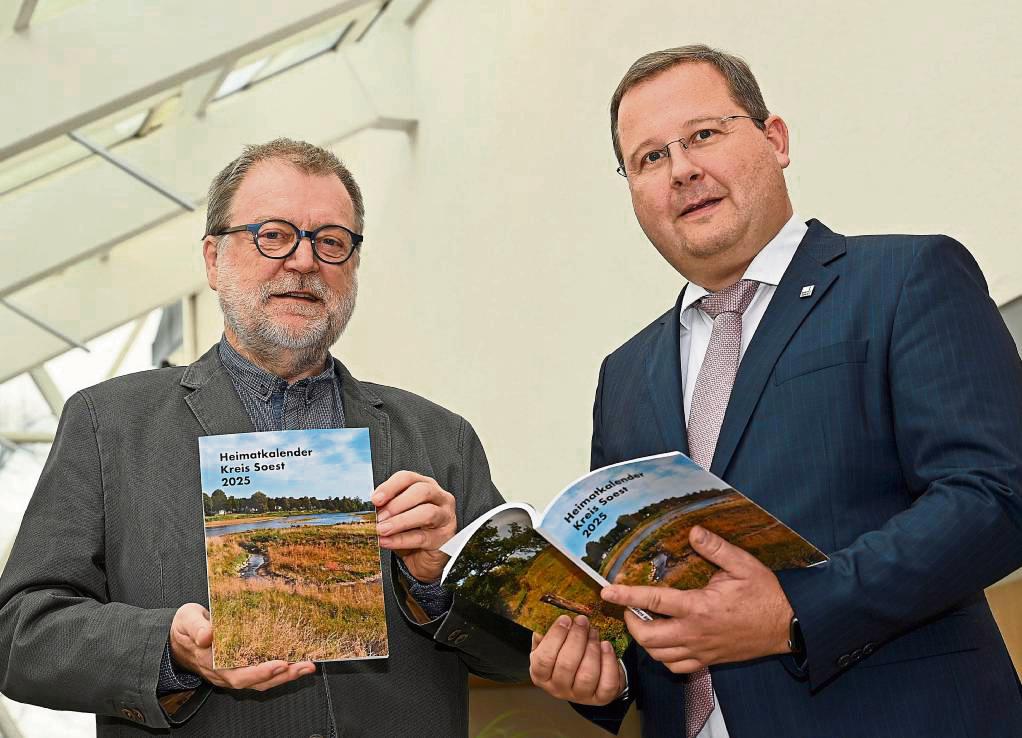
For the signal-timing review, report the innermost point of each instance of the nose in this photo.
(302, 260)
(684, 167)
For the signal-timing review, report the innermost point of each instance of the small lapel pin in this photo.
(807, 291)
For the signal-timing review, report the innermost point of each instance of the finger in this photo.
(544, 656)
(536, 639)
(726, 555)
(662, 632)
(670, 654)
(426, 492)
(397, 483)
(244, 677)
(689, 666)
(572, 653)
(663, 600)
(292, 672)
(587, 676)
(424, 515)
(611, 680)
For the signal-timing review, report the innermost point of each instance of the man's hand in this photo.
(415, 517)
(741, 614)
(191, 636)
(571, 663)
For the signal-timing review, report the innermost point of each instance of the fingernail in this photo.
(375, 498)
(279, 670)
(563, 622)
(384, 529)
(699, 534)
(381, 516)
(594, 635)
(606, 647)
(582, 621)
(609, 594)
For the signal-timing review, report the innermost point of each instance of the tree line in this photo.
(220, 503)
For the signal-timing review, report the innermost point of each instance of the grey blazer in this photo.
(111, 545)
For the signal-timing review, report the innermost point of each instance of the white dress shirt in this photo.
(696, 326)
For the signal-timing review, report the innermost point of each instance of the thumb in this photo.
(717, 551)
(194, 624)
(663, 600)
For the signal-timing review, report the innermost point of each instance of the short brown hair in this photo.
(740, 81)
(304, 156)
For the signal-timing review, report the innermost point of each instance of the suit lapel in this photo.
(214, 401)
(364, 409)
(663, 374)
(785, 314)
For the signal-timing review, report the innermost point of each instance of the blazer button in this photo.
(868, 649)
(856, 654)
(844, 660)
(315, 735)
(131, 714)
(460, 639)
(454, 635)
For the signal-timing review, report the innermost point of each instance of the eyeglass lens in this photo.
(277, 238)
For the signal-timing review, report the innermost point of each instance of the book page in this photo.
(292, 554)
(630, 523)
(510, 569)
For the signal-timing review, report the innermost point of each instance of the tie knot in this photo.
(733, 299)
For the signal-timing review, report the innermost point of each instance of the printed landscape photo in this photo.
(511, 570)
(650, 545)
(292, 551)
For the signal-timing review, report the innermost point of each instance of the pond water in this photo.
(285, 522)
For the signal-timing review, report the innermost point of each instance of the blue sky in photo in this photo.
(340, 464)
(670, 475)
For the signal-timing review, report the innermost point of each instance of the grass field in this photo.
(319, 596)
(552, 573)
(733, 519)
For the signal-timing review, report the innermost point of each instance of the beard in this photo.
(287, 349)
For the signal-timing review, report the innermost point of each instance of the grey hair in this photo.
(304, 156)
(740, 81)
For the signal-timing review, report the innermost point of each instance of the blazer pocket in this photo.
(836, 354)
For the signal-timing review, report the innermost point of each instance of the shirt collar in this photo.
(767, 267)
(262, 382)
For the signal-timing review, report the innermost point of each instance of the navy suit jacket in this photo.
(881, 418)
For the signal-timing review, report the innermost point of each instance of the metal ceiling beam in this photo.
(122, 354)
(48, 389)
(146, 179)
(148, 250)
(43, 325)
(106, 293)
(102, 207)
(106, 60)
(24, 17)
(19, 437)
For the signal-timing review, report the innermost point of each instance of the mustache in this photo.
(311, 283)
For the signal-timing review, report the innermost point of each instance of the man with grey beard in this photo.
(103, 604)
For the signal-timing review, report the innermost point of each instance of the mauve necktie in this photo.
(709, 401)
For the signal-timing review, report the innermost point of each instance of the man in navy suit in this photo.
(874, 403)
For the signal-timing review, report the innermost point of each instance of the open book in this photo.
(627, 523)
